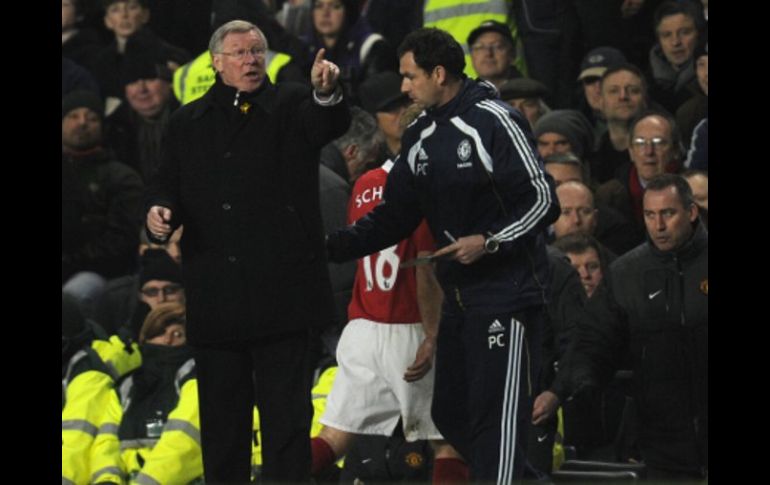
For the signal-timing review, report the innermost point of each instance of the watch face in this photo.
(491, 245)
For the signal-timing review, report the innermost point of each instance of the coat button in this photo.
(228, 154)
(226, 206)
(232, 259)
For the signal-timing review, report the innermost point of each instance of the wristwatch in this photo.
(491, 245)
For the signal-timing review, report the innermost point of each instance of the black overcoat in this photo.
(245, 186)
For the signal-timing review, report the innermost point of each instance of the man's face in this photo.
(592, 88)
(700, 189)
(530, 108)
(702, 71)
(622, 96)
(651, 148)
(155, 292)
(669, 224)
(175, 335)
(421, 86)
(589, 268)
(81, 129)
(550, 143)
(577, 211)
(328, 17)
(677, 36)
(68, 14)
(148, 96)
(242, 60)
(125, 18)
(564, 172)
(491, 55)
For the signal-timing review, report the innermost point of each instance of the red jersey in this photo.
(381, 291)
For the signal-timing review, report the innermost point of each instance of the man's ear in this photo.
(441, 75)
(350, 152)
(694, 211)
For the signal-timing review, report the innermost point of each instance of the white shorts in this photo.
(369, 393)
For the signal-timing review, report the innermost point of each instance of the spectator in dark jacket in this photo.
(658, 315)
(134, 130)
(101, 200)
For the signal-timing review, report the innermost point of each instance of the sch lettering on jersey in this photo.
(368, 196)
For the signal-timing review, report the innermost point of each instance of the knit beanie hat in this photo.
(571, 124)
(82, 99)
(156, 264)
(141, 63)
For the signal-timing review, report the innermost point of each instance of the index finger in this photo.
(320, 55)
(446, 250)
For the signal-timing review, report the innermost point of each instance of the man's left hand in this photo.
(324, 74)
(465, 250)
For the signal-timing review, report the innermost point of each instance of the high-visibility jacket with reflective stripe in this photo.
(92, 411)
(192, 80)
(460, 17)
(175, 457)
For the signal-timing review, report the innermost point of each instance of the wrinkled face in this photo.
(175, 335)
(669, 224)
(241, 64)
(421, 86)
(68, 14)
(622, 96)
(677, 37)
(651, 147)
(700, 189)
(592, 88)
(328, 17)
(550, 143)
(564, 172)
(589, 268)
(702, 71)
(577, 211)
(529, 107)
(155, 292)
(125, 18)
(491, 55)
(148, 96)
(81, 129)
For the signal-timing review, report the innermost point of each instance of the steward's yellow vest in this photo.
(460, 17)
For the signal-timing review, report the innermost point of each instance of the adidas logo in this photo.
(422, 155)
(496, 327)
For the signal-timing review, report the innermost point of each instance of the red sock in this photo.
(323, 455)
(450, 470)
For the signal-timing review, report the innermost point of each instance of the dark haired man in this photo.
(468, 165)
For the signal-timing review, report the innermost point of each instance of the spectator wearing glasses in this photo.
(655, 147)
(493, 52)
(127, 301)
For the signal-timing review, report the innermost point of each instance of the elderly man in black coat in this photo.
(240, 171)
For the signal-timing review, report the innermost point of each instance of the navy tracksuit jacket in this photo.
(471, 167)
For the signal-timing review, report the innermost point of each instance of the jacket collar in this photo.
(690, 250)
(224, 95)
